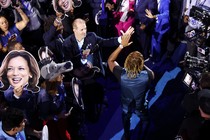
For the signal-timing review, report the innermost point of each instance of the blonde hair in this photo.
(134, 64)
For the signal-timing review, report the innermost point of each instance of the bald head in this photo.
(79, 29)
(77, 22)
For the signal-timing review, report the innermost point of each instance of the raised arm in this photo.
(23, 23)
(125, 42)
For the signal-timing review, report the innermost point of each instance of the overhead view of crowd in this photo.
(54, 53)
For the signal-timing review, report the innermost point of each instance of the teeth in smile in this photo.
(3, 2)
(65, 4)
(15, 80)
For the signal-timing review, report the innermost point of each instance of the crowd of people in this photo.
(52, 56)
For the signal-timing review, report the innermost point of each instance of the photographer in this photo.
(192, 23)
(196, 124)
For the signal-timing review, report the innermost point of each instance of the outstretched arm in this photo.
(23, 23)
(125, 42)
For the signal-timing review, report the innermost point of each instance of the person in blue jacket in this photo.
(161, 28)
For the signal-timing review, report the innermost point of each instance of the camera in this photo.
(201, 13)
(191, 80)
(198, 61)
(194, 67)
(200, 22)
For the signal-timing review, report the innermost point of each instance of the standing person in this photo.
(144, 25)
(14, 32)
(53, 36)
(158, 47)
(123, 14)
(133, 78)
(102, 12)
(66, 9)
(12, 125)
(78, 46)
(51, 101)
(19, 76)
(83, 49)
(7, 10)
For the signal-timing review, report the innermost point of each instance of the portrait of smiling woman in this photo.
(19, 74)
(5, 3)
(20, 69)
(62, 6)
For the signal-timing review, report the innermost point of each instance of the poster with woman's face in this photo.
(62, 6)
(19, 68)
(18, 72)
(5, 3)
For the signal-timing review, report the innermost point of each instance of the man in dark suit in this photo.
(144, 25)
(83, 49)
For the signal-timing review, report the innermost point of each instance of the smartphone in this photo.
(188, 79)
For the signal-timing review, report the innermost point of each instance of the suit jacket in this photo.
(140, 8)
(71, 49)
(55, 42)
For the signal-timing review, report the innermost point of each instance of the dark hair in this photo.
(33, 68)
(48, 22)
(11, 44)
(11, 118)
(51, 87)
(2, 15)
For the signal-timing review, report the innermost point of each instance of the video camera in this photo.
(194, 67)
(201, 13)
(200, 21)
(199, 63)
